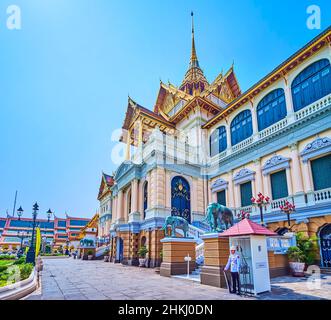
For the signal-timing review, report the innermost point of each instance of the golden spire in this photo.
(194, 80)
(194, 59)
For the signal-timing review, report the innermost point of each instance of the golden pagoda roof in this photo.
(194, 80)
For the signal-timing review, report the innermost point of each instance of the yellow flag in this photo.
(38, 241)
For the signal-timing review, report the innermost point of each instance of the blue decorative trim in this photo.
(243, 175)
(275, 163)
(219, 184)
(152, 223)
(317, 147)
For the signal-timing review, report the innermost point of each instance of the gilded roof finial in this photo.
(194, 59)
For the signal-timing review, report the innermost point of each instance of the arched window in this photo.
(180, 198)
(217, 141)
(271, 109)
(312, 84)
(241, 127)
(145, 198)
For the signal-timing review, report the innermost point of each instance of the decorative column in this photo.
(298, 192)
(308, 182)
(140, 134)
(120, 209)
(230, 192)
(135, 214)
(258, 177)
(128, 145)
(288, 100)
(228, 134)
(254, 121)
(289, 181)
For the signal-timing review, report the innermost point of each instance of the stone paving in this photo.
(69, 279)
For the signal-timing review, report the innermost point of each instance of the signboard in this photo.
(261, 265)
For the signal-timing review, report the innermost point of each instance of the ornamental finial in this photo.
(194, 59)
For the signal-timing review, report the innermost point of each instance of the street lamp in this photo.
(30, 257)
(288, 208)
(21, 235)
(49, 214)
(19, 212)
(243, 215)
(260, 202)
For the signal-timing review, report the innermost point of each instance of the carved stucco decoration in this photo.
(275, 163)
(243, 175)
(317, 147)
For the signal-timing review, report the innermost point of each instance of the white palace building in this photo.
(206, 142)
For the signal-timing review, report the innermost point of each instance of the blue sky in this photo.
(65, 77)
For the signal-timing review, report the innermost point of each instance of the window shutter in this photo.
(279, 185)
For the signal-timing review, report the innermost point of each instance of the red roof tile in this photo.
(247, 227)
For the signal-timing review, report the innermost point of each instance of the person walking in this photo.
(234, 265)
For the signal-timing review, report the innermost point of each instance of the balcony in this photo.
(179, 151)
(300, 115)
(321, 196)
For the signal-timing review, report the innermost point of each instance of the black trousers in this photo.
(235, 282)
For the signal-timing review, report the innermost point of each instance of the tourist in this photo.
(234, 264)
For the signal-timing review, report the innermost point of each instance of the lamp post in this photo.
(31, 255)
(260, 202)
(49, 214)
(243, 215)
(19, 212)
(288, 208)
(21, 235)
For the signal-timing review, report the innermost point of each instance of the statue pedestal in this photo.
(174, 252)
(216, 254)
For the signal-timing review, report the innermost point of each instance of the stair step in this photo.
(326, 270)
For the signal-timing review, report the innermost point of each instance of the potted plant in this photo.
(308, 246)
(142, 255)
(90, 254)
(106, 255)
(297, 261)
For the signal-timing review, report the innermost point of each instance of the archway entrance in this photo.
(180, 198)
(325, 244)
(119, 249)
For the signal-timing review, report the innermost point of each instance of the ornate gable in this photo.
(275, 163)
(243, 175)
(219, 184)
(316, 148)
(122, 169)
(107, 182)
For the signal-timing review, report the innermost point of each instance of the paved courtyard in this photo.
(69, 279)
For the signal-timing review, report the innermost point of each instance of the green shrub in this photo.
(142, 252)
(308, 247)
(21, 260)
(7, 257)
(3, 268)
(295, 254)
(25, 270)
(90, 252)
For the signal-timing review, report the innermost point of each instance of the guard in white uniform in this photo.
(234, 265)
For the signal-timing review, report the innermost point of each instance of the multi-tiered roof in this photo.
(173, 103)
